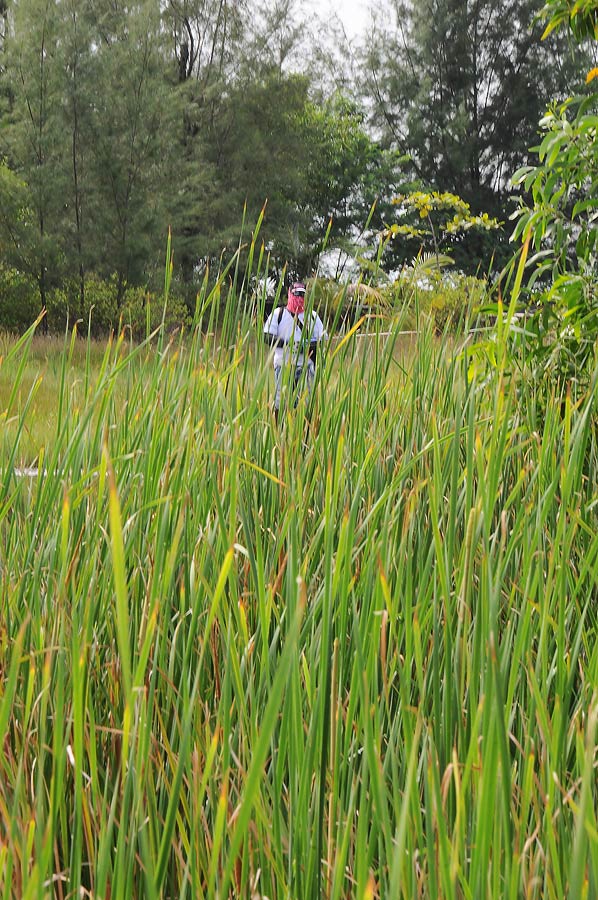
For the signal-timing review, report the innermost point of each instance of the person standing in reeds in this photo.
(295, 335)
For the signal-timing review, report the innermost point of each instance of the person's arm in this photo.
(271, 337)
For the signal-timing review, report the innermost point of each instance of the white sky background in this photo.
(354, 15)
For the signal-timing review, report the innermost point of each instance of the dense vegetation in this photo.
(349, 654)
(120, 120)
(351, 657)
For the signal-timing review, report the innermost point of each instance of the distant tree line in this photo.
(119, 120)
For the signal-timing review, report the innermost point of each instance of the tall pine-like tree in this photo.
(130, 126)
(88, 128)
(459, 86)
(32, 140)
(76, 50)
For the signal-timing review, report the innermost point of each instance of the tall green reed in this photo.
(351, 654)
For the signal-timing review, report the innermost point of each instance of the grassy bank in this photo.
(351, 656)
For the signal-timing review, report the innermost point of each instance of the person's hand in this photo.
(273, 340)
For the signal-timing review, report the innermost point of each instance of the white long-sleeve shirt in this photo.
(297, 332)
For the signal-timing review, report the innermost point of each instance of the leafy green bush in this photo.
(140, 307)
(98, 312)
(19, 300)
(452, 297)
(61, 307)
(558, 228)
(346, 303)
(422, 288)
(101, 304)
(101, 313)
(446, 297)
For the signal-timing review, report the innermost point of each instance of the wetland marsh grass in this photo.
(351, 656)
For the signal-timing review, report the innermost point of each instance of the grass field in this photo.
(352, 655)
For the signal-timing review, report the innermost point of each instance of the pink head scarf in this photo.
(296, 298)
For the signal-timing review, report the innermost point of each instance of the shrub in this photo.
(559, 224)
(452, 298)
(347, 303)
(19, 300)
(101, 313)
(138, 302)
(446, 297)
(60, 307)
(101, 304)
(556, 224)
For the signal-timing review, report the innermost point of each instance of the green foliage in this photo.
(309, 162)
(99, 311)
(459, 88)
(562, 216)
(428, 216)
(131, 118)
(118, 119)
(349, 655)
(580, 16)
(141, 309)
(88, 132)
(32, 136)
(19, 300)
(548, 327)
(561, 223)
(17, 228)
(451, 299)
(347, 170)
(123, 119)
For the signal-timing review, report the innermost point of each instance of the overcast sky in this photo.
(353, 14)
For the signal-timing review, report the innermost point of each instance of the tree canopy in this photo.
(459, 86)
(119, 121)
